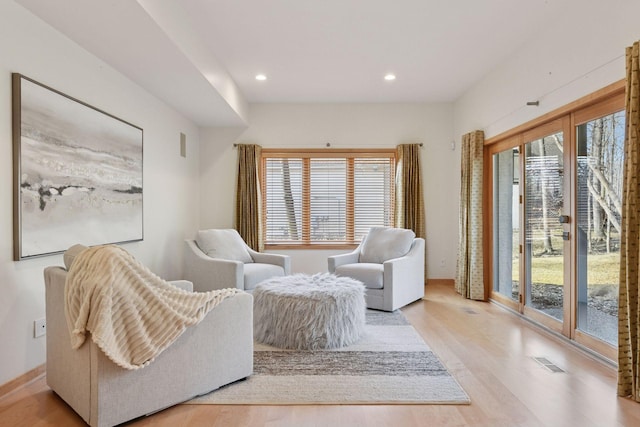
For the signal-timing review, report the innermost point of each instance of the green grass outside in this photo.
(602, 269)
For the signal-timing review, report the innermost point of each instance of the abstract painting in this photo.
(77, 173)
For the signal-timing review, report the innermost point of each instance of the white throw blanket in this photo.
(132, 314)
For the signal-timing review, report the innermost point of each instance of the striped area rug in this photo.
(391, 364)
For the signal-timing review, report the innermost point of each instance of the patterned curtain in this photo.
(629, 305)
(409, 197)
(469, 268)
(248, 200)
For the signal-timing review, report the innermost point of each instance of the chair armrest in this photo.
(208, 273)
(411, 263)
(68, 370)
(182, 284)
(283, 261)
(342, 259)
(406, 274)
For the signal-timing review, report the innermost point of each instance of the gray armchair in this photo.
(390, 263)
(219, 259)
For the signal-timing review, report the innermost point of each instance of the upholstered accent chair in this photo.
(390, 263)
(219, 258)
(215, 352)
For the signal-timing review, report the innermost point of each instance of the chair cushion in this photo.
(182, 284)
(71, 254)
(223, 244)
(371, 274)
(385, 243)
(255, 273)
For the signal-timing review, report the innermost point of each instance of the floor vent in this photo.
(469, 311)
(548, 364)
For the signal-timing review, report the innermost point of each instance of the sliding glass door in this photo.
(555, 197)
(600, 148)
(506, 224)
(546, 204)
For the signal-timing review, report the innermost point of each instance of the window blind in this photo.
(309, 198)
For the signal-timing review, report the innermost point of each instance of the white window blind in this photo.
(373, 204)
(328, 197)
(283, 198)
(309, 198)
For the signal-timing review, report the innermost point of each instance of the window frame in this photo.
(306, 155)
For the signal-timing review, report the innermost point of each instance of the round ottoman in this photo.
(303, 312)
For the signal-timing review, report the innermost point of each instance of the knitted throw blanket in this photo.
(132, 314)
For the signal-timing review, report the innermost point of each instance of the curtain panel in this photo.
(409, 203)
(248, 220)
(629, 305)
(409, 194)
(469, 268)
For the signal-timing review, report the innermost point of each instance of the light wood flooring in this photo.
(487, 349)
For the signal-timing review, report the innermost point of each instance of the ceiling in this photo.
(202, 56)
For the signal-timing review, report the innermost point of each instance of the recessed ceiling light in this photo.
(390, 77)
(261, 77)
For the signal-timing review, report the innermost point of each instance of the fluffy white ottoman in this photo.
(305, 312)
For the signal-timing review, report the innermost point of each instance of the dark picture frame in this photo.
(77, 173)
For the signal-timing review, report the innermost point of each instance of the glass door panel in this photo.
(600, 147)
(506, 224)
(543, 251)
(556, 196)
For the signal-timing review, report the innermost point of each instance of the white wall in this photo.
(343, 126)
(579, 52)
(171, 183)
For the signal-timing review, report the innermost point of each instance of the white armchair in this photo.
(219, 259)
(390, 263)
(209, 355)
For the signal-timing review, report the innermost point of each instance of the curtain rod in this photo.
(557, 88)
(328, 144)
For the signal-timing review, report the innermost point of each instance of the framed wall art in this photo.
(77, 173)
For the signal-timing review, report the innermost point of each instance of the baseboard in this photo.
(446, 282)
(20, 381)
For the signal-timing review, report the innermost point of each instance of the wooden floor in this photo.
(487, 349)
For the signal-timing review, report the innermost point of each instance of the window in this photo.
(325, 197)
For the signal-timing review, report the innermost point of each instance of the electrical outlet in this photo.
(39, 327)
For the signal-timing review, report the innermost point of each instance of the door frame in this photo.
(566, 118)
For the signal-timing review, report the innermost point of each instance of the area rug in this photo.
(390, 364)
